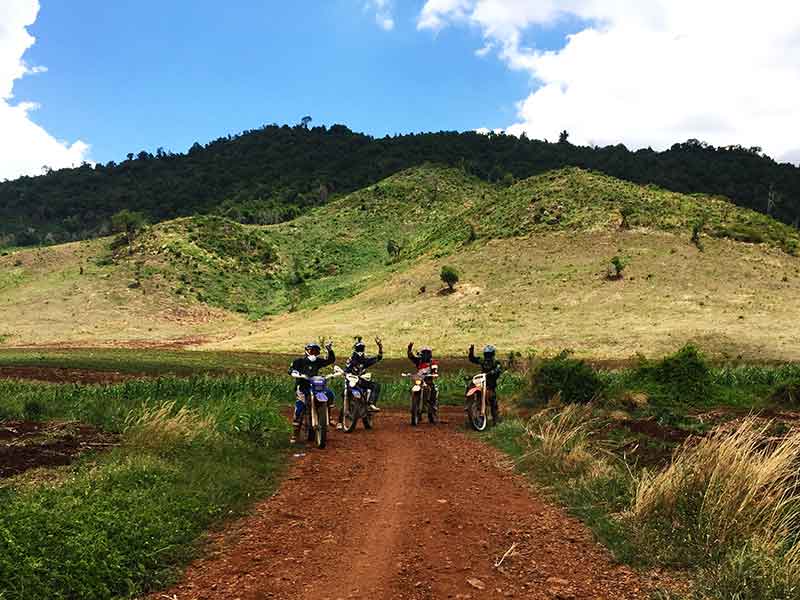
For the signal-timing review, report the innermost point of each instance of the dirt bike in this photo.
(355, 402)
(475, 400)
(317, 413)
(422, 394)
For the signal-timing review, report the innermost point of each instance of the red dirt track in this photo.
(404, 513)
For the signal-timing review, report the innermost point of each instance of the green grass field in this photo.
(196, 449)
(533, 260)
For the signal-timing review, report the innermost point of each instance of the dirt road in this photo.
(404, 513)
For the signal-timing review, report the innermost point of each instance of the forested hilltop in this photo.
(275, 173)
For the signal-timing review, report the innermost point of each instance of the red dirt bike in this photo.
(422, 394)
(317, 414)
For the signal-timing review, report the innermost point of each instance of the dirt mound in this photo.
(59, 375)
(26, 444)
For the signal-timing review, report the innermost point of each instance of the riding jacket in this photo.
(310, 369)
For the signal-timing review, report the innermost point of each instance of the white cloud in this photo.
(649, 73)
(25, 147)
(383, 13)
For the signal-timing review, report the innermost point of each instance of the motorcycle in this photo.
(475, 402)
(422, 393)
(317, 413)
(355, 402)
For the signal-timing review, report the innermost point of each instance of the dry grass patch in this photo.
(163, 426)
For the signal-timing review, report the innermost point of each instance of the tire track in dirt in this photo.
(404, 513)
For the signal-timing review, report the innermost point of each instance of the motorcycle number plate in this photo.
(321, 397)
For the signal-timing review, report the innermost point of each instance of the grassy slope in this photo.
(533, 278)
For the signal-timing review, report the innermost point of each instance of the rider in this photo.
(492, 368)
(424, 360)
(358, 363)
(308, 365)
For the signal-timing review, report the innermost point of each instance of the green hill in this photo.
(532, 257)
(273, 174)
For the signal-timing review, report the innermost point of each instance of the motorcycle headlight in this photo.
(418, 381)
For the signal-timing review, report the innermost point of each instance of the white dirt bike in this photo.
(475, 400)
(422, 394)
(355, 402)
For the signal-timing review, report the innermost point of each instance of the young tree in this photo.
(128, 223)
(616, 267)
(449, 276)
(393, 248)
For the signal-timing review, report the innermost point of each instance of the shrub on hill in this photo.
(572, 380)
(683, 377)
(449, 276)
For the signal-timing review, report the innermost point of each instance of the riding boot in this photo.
(495, 410)
(295, 432)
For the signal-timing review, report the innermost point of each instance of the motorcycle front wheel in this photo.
(321, 432)
(349, 414)
(432, 411)
(476, 420)
(415, 408)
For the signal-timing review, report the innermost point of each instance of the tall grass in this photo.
(232, 400)
(164, 426)
(560, 438)
(728, 500)
(729, 487)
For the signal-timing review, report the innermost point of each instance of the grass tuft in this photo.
(164, 425)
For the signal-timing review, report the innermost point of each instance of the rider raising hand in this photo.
(492, 368)
(424, 360)
(359, 362)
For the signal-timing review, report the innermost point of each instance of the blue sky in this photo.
(127, 76)
(97, 79)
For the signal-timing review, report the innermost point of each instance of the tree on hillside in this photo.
(616, 268)
(128, 223)
(393, 248)
(449, 276)
(305, 121)
(563, 137)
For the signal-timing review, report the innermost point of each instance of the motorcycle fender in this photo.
(472, 391)
(356, 393)
(321, 397)
(416, 388)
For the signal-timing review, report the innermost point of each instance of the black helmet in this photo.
(489, 351)
(359, 346)
(313, 348)
(426, 353)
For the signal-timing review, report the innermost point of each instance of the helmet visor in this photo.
(313, 350)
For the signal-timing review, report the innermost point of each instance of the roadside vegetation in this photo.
(674, 464)
(191, 452)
